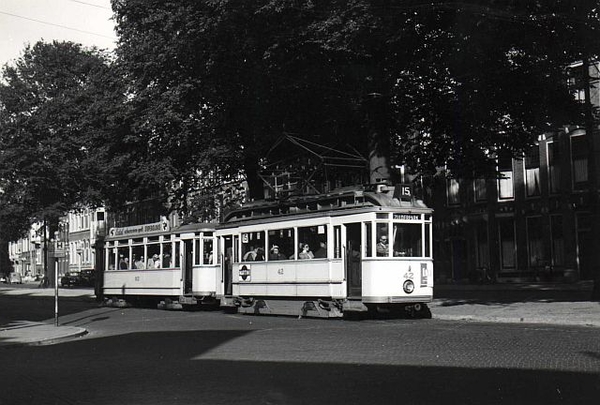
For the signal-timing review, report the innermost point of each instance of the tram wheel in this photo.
(420, 311)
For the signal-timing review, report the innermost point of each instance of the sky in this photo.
(87, 22)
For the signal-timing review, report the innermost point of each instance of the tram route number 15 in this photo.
(403, 191)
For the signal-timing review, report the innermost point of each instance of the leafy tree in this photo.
(441, 83)
(44, 140)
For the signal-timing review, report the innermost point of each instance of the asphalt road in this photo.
(147, 356)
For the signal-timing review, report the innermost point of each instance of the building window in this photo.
(579, 159)
(505, 182)
(532, 172)
(553, 168)
(453, 192)
(481, 242)
(535, 242)
(506, 228)
(480, 189)
(558, 240)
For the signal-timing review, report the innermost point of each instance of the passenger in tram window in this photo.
(382, 246)
(167, 263)
(275, 254)
(123, 265)
(154, 262)
(250, 255)
(321, 253)
(306, 253)
(139, 263)
(260, 255)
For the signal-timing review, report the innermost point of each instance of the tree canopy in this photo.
(206, 88)
(429, 83)
(43, 101)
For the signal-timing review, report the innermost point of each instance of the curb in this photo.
(38, 334)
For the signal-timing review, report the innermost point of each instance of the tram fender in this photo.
(354, 306)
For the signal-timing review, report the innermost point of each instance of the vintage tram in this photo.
(331, 254)
(343, 252)
(152, 262)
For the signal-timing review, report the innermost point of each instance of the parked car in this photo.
(70, 279)
(15, 278)
(88, 278)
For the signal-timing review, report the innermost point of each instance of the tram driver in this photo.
(382, 246)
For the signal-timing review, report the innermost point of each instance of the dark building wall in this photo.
(542, 233)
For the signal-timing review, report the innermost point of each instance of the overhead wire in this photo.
(54, 24)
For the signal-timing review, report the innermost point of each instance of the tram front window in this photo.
(383, 247)
(407, 240)
(208, 252)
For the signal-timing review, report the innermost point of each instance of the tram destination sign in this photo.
(137, 230)
(408, 217)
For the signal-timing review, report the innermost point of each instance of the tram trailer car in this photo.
(152, 263)
(367, 250)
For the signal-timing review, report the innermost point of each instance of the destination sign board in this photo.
(138, 230)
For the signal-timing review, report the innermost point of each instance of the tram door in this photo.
(353, 262)
(228, 265)
(187, 263)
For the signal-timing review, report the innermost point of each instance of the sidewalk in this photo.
(540, 303)
(26, 333)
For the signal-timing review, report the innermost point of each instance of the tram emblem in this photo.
(244, 273)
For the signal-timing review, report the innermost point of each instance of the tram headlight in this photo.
(408, 286)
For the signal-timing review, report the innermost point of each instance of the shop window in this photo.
(532, 172)
(505, 182)
(535, 243)
(553, 168)
(579, 159)
(453, 191)
(506, 228)
(481, 241)
(480, 189)
(558, 241)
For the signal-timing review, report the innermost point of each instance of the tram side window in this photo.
(408, 240)
(368, 246)
(281, 244)
(315, 237)
(208, 252)
(337, 241)
(153, 261)
(253, 246)
(123, 258)
(139, 261)
(167, 256)
(111, 259)
(177, 256)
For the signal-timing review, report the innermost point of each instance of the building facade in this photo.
(531, 224)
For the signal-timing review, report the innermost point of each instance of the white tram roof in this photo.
(336, 202)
